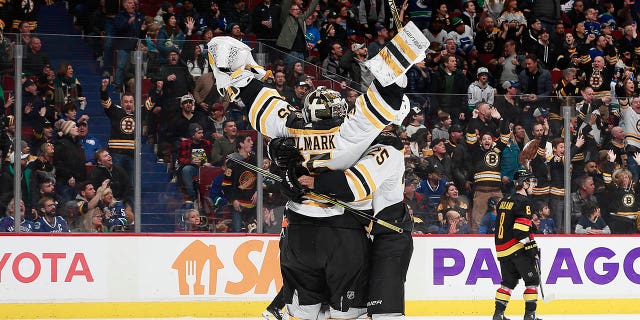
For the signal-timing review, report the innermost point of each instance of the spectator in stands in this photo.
(292, 35)
(35, 59)
(509, 63)
(623, 205)
(330, 31)
(129, 26)
(440, 159)
(214, 18)
(67, 86)
(432, 183)
(43, 133)
(480, 90)
(192, 221)
(266, 21)
(487, 39)
(442, 13)
(213, 124)
(69, 161)
(461, 34)
(90, 143)
(239, 185)
(357, 71)
(300, 90)
(205, 93)
(32, 104)
(122, 125)
(240, 15)
(488, 222)
(170, 38)
(313, 35)
(547, 225)
(331, 68)
(93, 222)
(177, 82)
(225, 145)
(49, 220)
(118, 178)
(193, 154)
(580, 197)
(371, 14)
(7, 223)
(114, 215)
(536, 86)
(418, 84)
(441, 128)
(416, 119)
(469, 15)
(436, 34)
(181, 122)
(295, 73)
(454, 224)
(280, 84)
(545, 50)
(8, 175)
(197, 63)
(85, 203)
(591, 222)
(380, 40)
(450, 88)
(188, 15)
(150, 67)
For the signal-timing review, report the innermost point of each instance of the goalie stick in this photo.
(322, 197)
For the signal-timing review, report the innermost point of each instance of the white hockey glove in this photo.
(232, 64)
(403, 51)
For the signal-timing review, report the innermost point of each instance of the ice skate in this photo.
(499, 315)
(531, 315)
(273, 313)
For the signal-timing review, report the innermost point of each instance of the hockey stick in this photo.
(538, 267)
(323, 197)
(395, 15)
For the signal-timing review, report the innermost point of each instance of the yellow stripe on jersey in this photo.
(302, 132)
(406, 49)
(372, 118)
(367, 176)
(392, 63)
(510, 251)
(521, 227)
(356, 183)
(263, 119)
(262, 97)
(530, 296)
(373, 97)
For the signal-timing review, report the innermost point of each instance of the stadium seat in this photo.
(326, 83)
(556, 75)
(207, 174)
(485, 58)
(8, 84)
(617, 34)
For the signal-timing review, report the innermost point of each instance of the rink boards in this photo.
(89, 276)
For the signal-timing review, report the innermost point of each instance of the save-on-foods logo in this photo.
(199, 266)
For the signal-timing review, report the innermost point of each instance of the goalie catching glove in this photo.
(232, 65)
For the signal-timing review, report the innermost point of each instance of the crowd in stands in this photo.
(485, 102)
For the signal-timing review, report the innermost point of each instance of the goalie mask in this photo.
(323, 104)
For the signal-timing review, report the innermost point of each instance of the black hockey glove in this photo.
(283, 152)
(531, 250)
(290, 185)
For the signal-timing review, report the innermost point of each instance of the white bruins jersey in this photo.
(631, 123)
(333, 149)
(379, 174)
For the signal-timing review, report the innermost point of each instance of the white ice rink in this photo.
(512, 317)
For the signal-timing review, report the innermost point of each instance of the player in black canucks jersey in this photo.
(516, 249)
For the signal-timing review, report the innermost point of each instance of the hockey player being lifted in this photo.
(324, 256)
(516, 249)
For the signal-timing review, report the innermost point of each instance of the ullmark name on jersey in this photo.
(315, 142)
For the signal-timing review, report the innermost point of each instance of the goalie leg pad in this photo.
(405, 49)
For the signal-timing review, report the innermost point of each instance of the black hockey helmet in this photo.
(521, 176)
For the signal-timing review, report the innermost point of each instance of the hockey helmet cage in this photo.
(322, 104)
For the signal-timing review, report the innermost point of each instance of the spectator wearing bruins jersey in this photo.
(624, 210)
(122, 133)
(516, 249)
(485, 164)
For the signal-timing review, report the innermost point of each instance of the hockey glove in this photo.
(290, 185)
(531, 250)
(283, 152)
